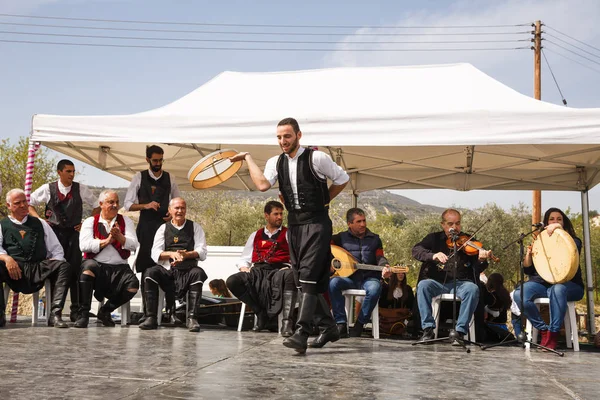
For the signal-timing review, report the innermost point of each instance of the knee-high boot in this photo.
(262, 319)
(298, 341)
(86, 288)
(287, 320)
(59, 294)
(151, 297)
(327, 326)
(2, 307)
(171, 309)
(194, 296)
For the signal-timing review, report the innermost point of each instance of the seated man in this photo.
(30, 253)
(178, 246)
(107, 239)
(366, 247)
(265, 281)
(436, 276)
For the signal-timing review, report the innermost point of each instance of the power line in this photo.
(571, 59)
(571, 44)
(260, 33)
(572, 38)
(253, 41)
(553, 77)
(263, 25)
(571, 51)
(256, 49)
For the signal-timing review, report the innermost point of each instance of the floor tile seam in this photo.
(572, 394)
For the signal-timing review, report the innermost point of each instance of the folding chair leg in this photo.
(241, 320)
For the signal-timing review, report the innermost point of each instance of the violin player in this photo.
(433, 251)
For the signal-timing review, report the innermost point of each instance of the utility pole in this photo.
(536, 215)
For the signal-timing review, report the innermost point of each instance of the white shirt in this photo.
(54, 250)
(132, 191)
(159, 243)
(42, 194)
(322, 164)
(246, 258)
(108, 255)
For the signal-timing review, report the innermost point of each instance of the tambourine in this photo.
(213, 169)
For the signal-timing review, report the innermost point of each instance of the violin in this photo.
(470, 247)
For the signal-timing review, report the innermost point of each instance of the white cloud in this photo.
(577, 18)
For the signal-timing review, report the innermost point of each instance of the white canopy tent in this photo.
(438, 126)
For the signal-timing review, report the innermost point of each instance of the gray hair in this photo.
(105, 193)
(174, 199)
(12, 192)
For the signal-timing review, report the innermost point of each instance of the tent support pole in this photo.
(354, 199)
(588, 262)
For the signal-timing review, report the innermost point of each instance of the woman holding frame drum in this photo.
(558, 238)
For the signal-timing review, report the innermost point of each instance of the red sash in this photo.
(100, 235)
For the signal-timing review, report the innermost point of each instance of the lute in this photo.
(345, 264)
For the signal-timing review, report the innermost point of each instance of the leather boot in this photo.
(171, 309)
(287, 322)
(59, 294)
(327, 327)
(262, 319)
(2, 307)
(552, 342)
(86, 286)
(544, 337)
(298, 341)
(194, 299)
(75, 295)
(343, 330)
(151, 297)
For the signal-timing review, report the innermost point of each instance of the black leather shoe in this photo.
(298, 341)
(330, 335)
(105, 318)
(356, 330)
(59, 323)
(343, 330)
(149, 323)
(262, 320)
(458, 339)
(82, 322)
(74, 315)
(428, 334)
(193, 325)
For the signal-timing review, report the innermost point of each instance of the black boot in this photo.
(287, 322)
(327, 327)
(343, 330)
(194, 297)
(86, 286)
(298, 341)
(75, 295)
(2, 308)
(262, 319)
(171, 309)
(59, 294)
(151, 298)
(357, 329)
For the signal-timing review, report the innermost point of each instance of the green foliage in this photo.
(13, 158)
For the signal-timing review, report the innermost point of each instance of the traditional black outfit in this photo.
(269, 287)
(37, 251)
(64, 211)
(176, 280)
(303, 185)
(112, 274)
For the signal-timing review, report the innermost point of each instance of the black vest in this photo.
(154, 190)
(66, 213)
(181, 239)
(313, 193)
(24, 243)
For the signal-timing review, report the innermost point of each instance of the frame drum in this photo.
(555, 257)
(213, 169)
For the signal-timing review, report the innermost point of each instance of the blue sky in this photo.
(73, 80)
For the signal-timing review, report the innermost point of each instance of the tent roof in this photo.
(437, 126)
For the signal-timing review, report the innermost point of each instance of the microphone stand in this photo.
(521, 338)
(453, 335)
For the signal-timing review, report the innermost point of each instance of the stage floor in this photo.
(219, 363)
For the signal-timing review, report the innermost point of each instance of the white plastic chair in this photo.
(435, 306)
(35, 299)
(571, 334)
(125, 312)
(349, 295)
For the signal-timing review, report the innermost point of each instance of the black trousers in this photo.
(176, 280)
(111, 281)
(310, 254)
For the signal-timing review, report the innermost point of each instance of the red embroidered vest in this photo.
(271, 250)
(102, 234)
